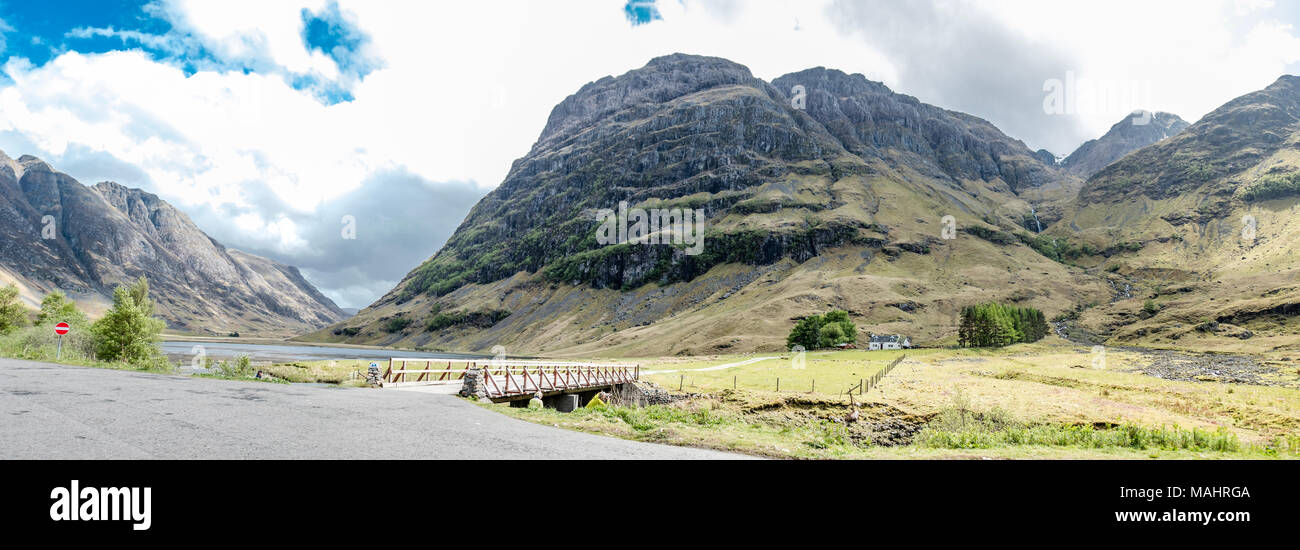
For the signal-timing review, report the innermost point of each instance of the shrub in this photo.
(397, 324)
(57, 308)
(480, 319)
(12, 313)
(1273, 186)
(128, 332)
(241, 367)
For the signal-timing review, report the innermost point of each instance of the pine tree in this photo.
(995, 325)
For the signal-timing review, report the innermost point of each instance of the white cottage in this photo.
(893, 341)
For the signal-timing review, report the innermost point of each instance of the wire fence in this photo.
(686, 382)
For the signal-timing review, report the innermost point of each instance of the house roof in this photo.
(887, 339)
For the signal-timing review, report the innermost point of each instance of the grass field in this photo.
(823, 372)
(1045, 400)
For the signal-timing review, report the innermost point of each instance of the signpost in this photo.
(60, 329)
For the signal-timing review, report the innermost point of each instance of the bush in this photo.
(397, 324)
(241, 367)
(1273, 186)
(12, 313)
(39, 343)
(128, 332)
(480, 319)
(57, 308)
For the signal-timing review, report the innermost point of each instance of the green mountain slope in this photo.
(1203, 223)
(837, 200)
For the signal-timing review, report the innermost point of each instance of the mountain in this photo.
(1203, 223)
(60, 234)
(1138, 130)
(820, 189)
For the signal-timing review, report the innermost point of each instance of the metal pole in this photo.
(59, 354)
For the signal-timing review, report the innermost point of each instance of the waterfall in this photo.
(1034, 213)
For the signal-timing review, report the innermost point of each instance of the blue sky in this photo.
(36, 32)
(268, 120)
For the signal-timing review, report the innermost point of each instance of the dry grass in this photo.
(1050, 389)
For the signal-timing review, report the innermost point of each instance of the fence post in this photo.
(681, 382)
(814, 386)
(733, 382)
(778, 384)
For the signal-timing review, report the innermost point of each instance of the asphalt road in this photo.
(50, 411)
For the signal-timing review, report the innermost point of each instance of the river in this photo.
(279, 353)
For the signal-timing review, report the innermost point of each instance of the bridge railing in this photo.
(506, 378)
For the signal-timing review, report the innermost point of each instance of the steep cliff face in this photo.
(787, 181)
(60, 234)
(873, 122)
(1136, 131)
(1210, 212)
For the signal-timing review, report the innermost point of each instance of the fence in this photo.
(686, 382)
(866, 384)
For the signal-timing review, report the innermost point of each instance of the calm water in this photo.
(180, 349)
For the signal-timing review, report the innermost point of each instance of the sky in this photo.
(275, 124)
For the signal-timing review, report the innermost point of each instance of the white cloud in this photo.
(462, 89)
(1193, 55)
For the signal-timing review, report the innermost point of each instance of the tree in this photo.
(57, 308)
(831, 334)
(997, 325)
(128, 332)
(12, 313)
(823, 331)
(848, 330)
(806, 333)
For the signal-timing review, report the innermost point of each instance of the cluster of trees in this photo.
(994, 325)
(128, 332)
(823, 331)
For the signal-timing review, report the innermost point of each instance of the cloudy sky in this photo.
(268, 121)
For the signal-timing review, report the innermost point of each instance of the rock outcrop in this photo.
(60, 234)
(1136, 131)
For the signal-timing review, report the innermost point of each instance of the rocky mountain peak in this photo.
(663, 79)
(1133, 132)
(873, 122)
(110, 234)
(1223, 144)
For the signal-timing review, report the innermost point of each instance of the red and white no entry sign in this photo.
(61, 329)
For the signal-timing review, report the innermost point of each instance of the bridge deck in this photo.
(505, 379)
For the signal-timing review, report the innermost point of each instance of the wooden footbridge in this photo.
(508, 380)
